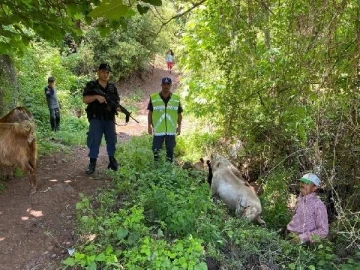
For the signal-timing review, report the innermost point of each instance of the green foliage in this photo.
(107, 259)
(283, 83)
(319, 256)
(65, 19)
(138, 230)
(128, 48)
(36, 66)
(112, 10)
(162, 218)
(158, 254)
(125, 51)
(132, 100)
(197, 144)
(177, 210)
(276, 198)
(24, 21)
(73, 131)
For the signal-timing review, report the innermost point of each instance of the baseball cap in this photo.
(310, 178)
(166, 80)
(51, 79)
(104, 66)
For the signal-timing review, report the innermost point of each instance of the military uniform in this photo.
(101, 118)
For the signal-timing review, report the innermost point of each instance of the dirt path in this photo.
(37, 230)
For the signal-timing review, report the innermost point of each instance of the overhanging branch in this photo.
(183, 13)
(178, 15)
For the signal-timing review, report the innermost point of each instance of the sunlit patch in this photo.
(67, 181)
(89, 237)
(292, 201)
(24, 218)
(35, 213)
(53, 180)
(2, 238)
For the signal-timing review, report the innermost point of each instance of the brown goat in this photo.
(17, 114)
(18, 143)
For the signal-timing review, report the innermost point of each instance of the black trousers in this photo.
(97, 128)
(170, 143)
(55, 119)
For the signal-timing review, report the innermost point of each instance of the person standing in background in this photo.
(53, 104)
(164, 119)
(170, 60)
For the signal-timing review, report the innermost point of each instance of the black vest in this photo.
(104, 111)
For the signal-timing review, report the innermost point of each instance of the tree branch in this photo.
(195, 5)
(178, 15)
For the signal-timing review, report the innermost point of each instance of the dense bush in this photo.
(265, 80)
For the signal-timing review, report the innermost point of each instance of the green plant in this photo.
(163, 218)
(275, 198)
(178, 210)
(158, 254)
(106, 259)
(197, 144)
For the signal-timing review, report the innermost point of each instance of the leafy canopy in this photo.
(25, 20)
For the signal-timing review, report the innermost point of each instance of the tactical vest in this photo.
(164, 117)
(99, 110)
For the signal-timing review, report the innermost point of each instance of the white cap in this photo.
(310, 178)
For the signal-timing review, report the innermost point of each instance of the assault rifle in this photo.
(127, 114)
(112, 102)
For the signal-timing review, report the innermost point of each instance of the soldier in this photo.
(103, 103)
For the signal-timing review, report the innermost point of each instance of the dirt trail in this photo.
(36, 231)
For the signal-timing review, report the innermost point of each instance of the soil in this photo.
(37, 230)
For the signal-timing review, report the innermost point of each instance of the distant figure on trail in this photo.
(164, 119)
(170, 60)
(103, 103)
(310, 217)
(53, 104)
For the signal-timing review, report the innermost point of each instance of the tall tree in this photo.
(279, 74)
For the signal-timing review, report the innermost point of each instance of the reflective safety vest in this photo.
(164, 117)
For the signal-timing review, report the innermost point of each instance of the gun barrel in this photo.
(134, 119)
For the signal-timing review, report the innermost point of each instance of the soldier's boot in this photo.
(113, 165)
(91, 169)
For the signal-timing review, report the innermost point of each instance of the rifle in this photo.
(127, 113)
(113, 103)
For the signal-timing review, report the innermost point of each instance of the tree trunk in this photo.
(267, 26)
(9, 87)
